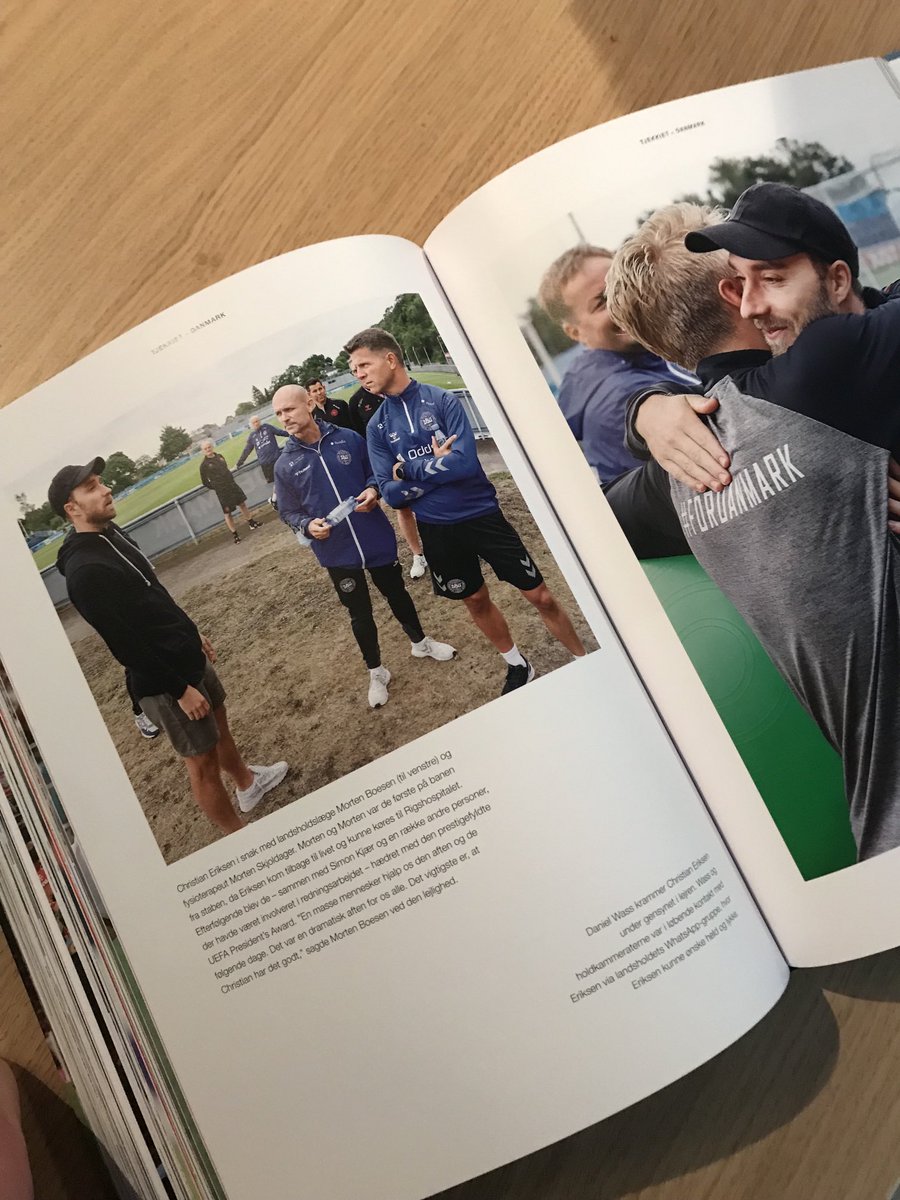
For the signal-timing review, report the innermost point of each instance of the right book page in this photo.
(523, 262)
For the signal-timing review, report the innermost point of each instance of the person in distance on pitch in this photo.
(263, 439)
(215, 474)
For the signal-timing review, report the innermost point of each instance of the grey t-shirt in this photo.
(799, 542)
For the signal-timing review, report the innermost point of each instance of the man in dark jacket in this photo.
(323, 471)
(424, 457)
(798, 539)
(216, 475)
(327, 408)
(167, 660)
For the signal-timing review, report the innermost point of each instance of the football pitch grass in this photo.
(186, 476)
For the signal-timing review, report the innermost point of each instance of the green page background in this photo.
(797, 772)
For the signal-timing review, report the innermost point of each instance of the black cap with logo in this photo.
(67, 478)
(772, 221)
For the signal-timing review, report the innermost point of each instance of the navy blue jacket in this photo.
(263, 441)
(441, 491)
(593, 398)
(313, 478)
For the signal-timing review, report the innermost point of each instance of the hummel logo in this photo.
(530, 568)
(435, 464)
(439, 579)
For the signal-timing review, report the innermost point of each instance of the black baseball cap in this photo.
(774, 220)
(67, 478)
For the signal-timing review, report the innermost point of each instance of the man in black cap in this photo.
(167, 660)
(798, 539)
(783, 246)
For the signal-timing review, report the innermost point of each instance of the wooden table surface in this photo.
(151, 149)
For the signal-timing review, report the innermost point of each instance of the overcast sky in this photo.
(610, 217)
(210, 395)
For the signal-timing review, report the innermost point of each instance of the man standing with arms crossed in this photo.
(362, 407)
(424, 457)
(169, 662)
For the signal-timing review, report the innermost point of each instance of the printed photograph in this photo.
(727, 354)
(292, 564)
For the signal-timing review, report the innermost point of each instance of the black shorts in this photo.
(268, 470)
(454, 553)
(230, 496)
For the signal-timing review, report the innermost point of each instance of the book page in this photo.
(477, 873)
(772, 779)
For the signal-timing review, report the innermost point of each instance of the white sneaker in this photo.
(264, 779)
(146, 728)
(429, 648)
(418, 568)
(379, 678)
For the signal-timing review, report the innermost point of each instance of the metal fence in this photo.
(175, 523)
(194, 513)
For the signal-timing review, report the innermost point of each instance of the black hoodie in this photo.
(116, 590)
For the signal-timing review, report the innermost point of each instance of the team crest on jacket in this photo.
(344, 457)
(428, 421)
(347, 584)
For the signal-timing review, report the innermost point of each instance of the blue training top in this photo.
(312, 478)
(440, 491)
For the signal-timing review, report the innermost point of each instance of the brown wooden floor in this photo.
(150, 149)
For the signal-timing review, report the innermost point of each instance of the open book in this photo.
(509, 892)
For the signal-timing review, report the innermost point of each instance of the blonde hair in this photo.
(663, 295)
(560, 274)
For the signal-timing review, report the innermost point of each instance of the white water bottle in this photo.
(342, 511)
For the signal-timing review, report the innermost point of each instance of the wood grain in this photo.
(151, 149)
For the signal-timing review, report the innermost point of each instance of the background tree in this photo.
(260, 398)
(173, 441)
(800, 164)
(342, 362)
(409, 321)
(245, 406)
(35, 518)
(119, 471)
(552, 336)
(317, 366)
(146, 465)
(293, 374)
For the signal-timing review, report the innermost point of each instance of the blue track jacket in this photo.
(442, 491)
(310, 480)
(263, 441)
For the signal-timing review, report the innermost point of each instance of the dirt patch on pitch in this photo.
(295, 680)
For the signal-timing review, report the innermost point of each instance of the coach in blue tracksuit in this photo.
(424, 457)
(319, 467)
(264, 440)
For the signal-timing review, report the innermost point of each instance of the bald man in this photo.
(326, 492)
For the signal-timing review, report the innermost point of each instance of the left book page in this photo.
(450, 898)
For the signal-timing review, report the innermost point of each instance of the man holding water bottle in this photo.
(326, 492)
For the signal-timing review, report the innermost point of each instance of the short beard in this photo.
(819, 306)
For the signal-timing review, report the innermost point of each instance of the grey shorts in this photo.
(188, 737)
